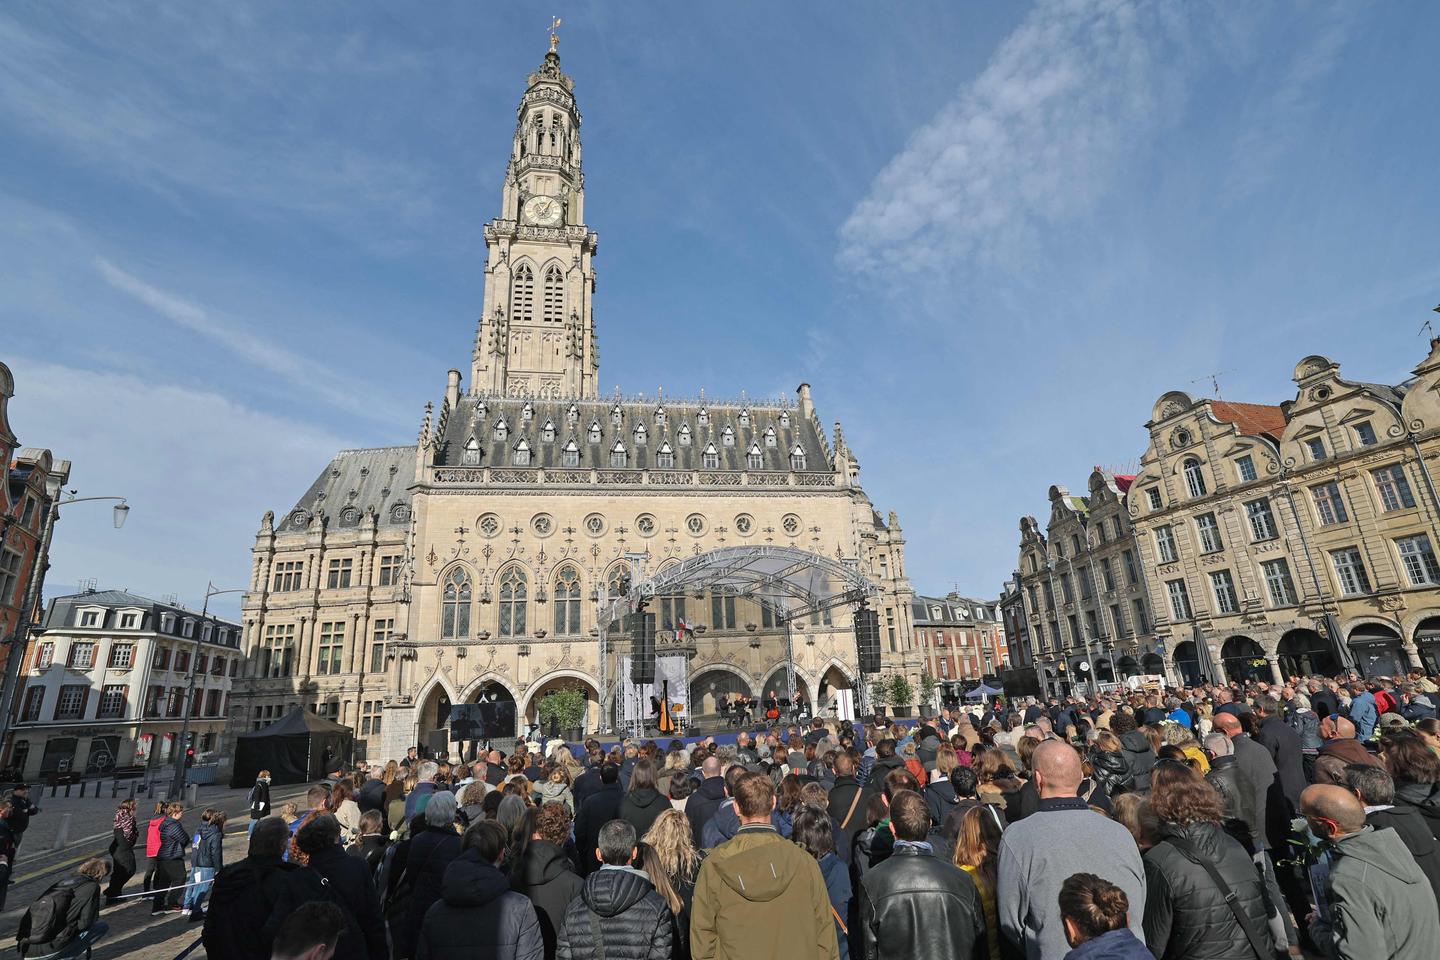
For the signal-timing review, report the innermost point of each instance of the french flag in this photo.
(680, 630)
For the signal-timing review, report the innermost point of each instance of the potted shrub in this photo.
(563, 709)
(879, 692)
(927, 691)
(902, 695)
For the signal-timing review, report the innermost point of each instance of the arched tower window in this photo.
(554, 294)
(567, 602)
(522, 295)
(455, 605)
(514, 590)
(1194, 479)
(617, 582)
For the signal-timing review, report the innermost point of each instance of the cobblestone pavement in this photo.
(133, 932)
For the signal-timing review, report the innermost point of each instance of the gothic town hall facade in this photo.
(472, 563)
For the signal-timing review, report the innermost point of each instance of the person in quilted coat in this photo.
(618, 915)
(478, 915)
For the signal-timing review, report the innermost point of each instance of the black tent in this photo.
(300, 747)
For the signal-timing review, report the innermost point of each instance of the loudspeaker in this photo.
(438, 741)
(867, 639)
(642, 648)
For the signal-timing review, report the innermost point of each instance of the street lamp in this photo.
(178, 785)
(19, 640)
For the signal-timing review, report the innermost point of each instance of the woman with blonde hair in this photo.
(561, 755)
(395, 809)
(394, 783)
(672, 846)
(555, 788)
(1177, 736)
(977, 852)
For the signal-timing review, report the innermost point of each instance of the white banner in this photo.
(636, 704)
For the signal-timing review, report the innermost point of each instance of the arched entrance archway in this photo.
(831, 680)
(712, 683)
(498, 714)
(1104, 672)
(432, 720)
(564, 680)
(1187, 663)
(1377, 649)
(1305, 653)
(776, 681)
(1129, 667)
(1244, 659)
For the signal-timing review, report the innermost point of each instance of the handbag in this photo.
(1188, 851)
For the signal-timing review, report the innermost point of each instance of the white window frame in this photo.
(1246, 465)
(1279, 584)
(1255, 510)
(1222, 585)
(1209, 534)
(1179, 600)
(1165, 544)
(1349, 565)
(1417, 556)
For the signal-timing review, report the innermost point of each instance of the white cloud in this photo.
(232, 335)
(1035, 139)
(197, 468)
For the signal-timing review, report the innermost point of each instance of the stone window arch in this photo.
(553, 295)
(567, 601)
(522, 294)
(514, 596)
(455, 604)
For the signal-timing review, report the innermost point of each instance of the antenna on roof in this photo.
(87, 585)
(1427, 328)
(1214, 380)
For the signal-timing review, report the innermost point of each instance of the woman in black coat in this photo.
(477, 914)
(1416, 771)
(260, 799)
(1186, 916)
(122, 850)
(544, 873)
(643, 802)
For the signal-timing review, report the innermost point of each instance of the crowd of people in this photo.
(1225, 821)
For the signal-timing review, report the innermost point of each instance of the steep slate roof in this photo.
(953, 610)
(465, 422)
(1254, 419)
(377, 477)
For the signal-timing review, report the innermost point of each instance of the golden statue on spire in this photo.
(554, 37)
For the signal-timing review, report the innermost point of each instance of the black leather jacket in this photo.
(1239, 797)
(917, 906)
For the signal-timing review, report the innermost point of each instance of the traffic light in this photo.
(189, 757)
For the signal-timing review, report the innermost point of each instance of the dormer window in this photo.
(618, 456)
(711, 457)
(594, 431)
(480, 410)
(784, 419)
(547, 432)
(129, 621)
(187, 629)
(745, 418)
(502, 429)
(520, 456)
(617, 416)
(659, 416)
(1152, 494)
(727, 436)
(640, 434)
(90, 618)
(665, 457)
(471, 456)
(797, 458)
(754, 459)
(703, 417)
(1316, 446)
(769, 436)
(527, 413)
(167, 623)
(570, 456)
(684, 435)
(573, 414)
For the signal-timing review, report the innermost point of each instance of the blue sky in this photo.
(239, 237)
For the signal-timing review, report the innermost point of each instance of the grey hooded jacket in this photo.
(1381, 904)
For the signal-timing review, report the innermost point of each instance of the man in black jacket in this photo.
(21, 810)
(703, 803)
(1285, 747)
(343, 880)
(618, 913)
(914, 905)
(1376, 790)
(1236, 792)
(847, 802)
(599, 808)
(589, 781)
(245, 893)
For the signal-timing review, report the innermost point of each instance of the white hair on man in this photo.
(440, 811)
(1219, 745)
(428, 770)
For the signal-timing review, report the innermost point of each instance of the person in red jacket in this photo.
(152, 842)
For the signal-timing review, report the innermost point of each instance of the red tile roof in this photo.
(1123, 482)
(1255, 419)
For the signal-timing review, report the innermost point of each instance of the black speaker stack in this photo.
(867, 639)
(642, 648)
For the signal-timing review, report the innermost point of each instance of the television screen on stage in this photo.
(485, 720)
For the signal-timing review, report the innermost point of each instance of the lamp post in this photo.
(177, 787)
(19, 640)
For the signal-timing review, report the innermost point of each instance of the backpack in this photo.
(48, 920)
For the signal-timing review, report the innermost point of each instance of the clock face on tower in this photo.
(543, 211)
